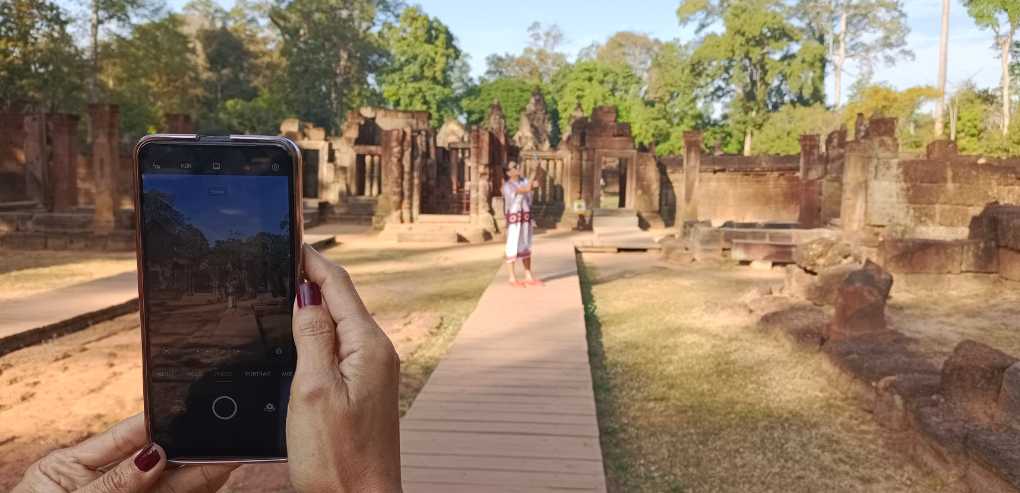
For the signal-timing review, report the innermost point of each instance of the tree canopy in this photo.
(422, 65)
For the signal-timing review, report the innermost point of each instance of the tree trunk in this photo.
(940, 105)
(93, 81)
(840, 57)
(1006, 42)
(747, 142)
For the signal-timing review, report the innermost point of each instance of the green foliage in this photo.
(332, 48)
(153, 72)
(1001, 16)
(261, 115)
(539, 61)
(513, 96)
(635, 50)
(423, 57)
(782, 131)
(228, 66)
(673, 100)
(882, 100)
(973, 110)
(755, 61)
(589, 84)
(914, 129)
(39, 62)
(876, 30)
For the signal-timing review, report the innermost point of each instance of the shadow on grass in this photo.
(600, 378)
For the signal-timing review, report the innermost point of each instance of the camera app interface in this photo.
(218, 281)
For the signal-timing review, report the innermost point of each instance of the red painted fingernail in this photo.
(147, 458)
(308, 294)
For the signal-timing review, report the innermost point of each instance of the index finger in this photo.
(338, 290)
(120, 441)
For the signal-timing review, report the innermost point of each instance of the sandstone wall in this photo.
(937, 198)
(748, 189)
(12, 157)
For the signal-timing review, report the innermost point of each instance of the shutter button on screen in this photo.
(224, 407)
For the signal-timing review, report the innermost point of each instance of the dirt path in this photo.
(57, 393)
(24, 273)
(692, 398)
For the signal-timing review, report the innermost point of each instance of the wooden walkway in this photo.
(511, 408)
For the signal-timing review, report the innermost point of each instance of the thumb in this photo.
(135, 474)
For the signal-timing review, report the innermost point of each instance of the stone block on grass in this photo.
(972, 377)
(860, 302)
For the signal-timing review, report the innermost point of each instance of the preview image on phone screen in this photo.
(218, 283)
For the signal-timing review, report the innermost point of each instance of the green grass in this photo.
(691, 398)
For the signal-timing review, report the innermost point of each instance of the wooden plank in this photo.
(476, 414)
(489, 444)
(499, 478)
(514, 427)
(523, 408)
(496, 463)
(438, 487)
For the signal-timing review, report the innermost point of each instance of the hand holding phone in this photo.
(343, 429)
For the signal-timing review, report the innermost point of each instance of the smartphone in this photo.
(218, 232)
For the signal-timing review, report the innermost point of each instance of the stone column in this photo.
(37, 182)
(687, 203)
(63, 170)
(473, 165)
(811, 174)
(485, 175)
(419, 156)
(105, 122)
(392, 158)
(408, 180)
(853, 207)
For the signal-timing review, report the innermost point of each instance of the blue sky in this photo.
(220, 206)
(498, 27)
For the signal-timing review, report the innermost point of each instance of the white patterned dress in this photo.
(517, 207)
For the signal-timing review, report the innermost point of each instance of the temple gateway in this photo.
(390, 168)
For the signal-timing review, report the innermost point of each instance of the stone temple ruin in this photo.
(390, 169)
(58, 191)
(848, 218)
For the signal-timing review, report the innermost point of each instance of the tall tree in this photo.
(862, 31)
(332, 48)
(635, 50)
(756, 62)
(422, 65)
(673, 101)
(538, 62)
(1002, 17)
(103, 13)
(153, 72)
(39, 62)
(940, 104)
(228, 66)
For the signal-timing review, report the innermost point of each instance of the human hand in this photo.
(343, 420)
(111, 462)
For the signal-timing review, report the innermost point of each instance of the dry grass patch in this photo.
(440, 284)
(990, 315)
(692, 398)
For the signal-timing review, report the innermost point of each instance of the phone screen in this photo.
(218, 236)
